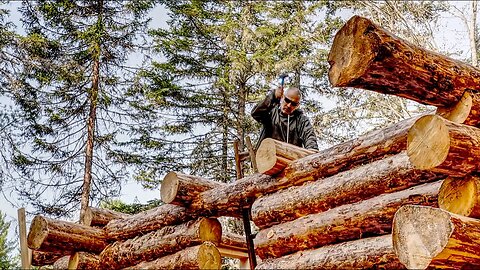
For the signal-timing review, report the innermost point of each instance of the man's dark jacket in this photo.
(275, 124)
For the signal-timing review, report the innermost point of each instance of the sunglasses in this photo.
(287, 100)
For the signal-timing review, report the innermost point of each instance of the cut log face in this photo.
(180, 189)
(100, 217)
(84, 260)
(159, 243)
(431, 237)
(147, 221)
(383, 176)
(273, 156)
(461, 196)
(53, 235)
(466, 111)
(442, 146)
(62, 263)
(368, 253)
(346, 222)
(364, 55)
(204, 256)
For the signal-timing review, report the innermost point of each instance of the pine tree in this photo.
(6, 246)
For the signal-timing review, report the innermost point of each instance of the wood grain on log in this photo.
(84, 260)
(61, 263)
(368, 253)
(233, 240)
(347, 222)
(442, 146)
(159, 243)
(40, 258)
(273, 156)
(53, 235)
(431, 237)
(147, 221)
(100, 216)
(382, 176)
(179, 189)
(364, 55)
(204, 256)
(461, 196)
(466, 111)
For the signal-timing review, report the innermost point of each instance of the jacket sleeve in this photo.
(262, 110)
(308, 135)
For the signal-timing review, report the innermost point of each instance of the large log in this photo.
(84, 260)
(368, 253)
(159, 243)
(233, 240)
(364, 55)
(179, 189)
(40, 258)
(442, 146)
(100, 216)
(383, 176)
(54, 235)
(347, 222)
(273, 156)
(466, 111)
(147, 221)
(461, 196)
(431, 237)
(204, 256)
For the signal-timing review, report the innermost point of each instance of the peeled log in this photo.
(159, 243)
(368, 253)
(147, 221)
(431, 237)
(347, 222)
(179, 189)
(383, 176)
(100, 217)
(273, 156)
(53, 235)
(233, 240)
(40, 258)
(461, 196)
(466, 111)
(204, 256)
(442, 146)
(364, 55)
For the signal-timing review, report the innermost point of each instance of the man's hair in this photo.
(296, 90)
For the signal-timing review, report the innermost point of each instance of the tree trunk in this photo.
(204, 256)
(461, 196)
(159, 243)
(84, 260)
(147, 221)
(368, 253)
(347, 222)
(442, 146)
(383, 176)
(472, 33)
(364, 55)
(466, 111)
(54, 235)
(41, 258)
(100, 216)
(424, 236)
(273, 156)
(180, 189)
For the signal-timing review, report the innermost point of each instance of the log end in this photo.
(266, 155)
(210, 230)
(419, 234)
(459, 196)
(38, 232)
(459, 112)
(169, 187)
(209, 257)
(351, 51)
(428, 142)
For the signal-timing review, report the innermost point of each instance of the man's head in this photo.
(290, 101)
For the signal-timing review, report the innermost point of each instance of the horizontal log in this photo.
(273, 156)
(180, 189)
(100, 216)
(382, 176)
(147, 221)
(84, 260)
(466, 111)
(365, 55)
(461, 196)
(53, 235)
(347, 222)
(434, 238)
(204, 256)
(233, 240)
(41, 258)
(368, 253)
(159, 243)
(442, 146)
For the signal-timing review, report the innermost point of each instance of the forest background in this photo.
(100, 99)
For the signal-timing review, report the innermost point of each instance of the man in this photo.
(279, 113)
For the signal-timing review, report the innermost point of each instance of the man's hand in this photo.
(279, 92)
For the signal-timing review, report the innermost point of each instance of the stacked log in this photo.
(461, 196)
(100, 217)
